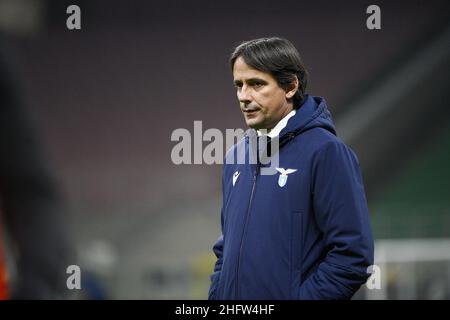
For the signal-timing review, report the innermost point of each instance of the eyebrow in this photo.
(251, 80)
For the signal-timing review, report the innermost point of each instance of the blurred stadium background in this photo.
(106, 99)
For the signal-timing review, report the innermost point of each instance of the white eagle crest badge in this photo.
(282, 179)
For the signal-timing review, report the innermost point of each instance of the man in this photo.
(303, 233)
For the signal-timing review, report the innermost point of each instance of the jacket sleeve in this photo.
(218, 251)
(341, 212)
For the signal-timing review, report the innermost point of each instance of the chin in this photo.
(254, 124)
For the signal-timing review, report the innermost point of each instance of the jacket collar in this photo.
(279, 126)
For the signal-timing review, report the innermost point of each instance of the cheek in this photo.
(265, 98)
(273, 101)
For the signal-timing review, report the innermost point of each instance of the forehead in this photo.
(242, 72)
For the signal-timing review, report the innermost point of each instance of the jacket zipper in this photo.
(237, 291)
(245, 229)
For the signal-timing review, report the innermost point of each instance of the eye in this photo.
(257, 84)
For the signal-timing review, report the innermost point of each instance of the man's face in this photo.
(262, 101)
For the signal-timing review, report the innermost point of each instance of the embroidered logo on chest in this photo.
(283, 177)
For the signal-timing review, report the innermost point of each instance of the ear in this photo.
(293, 88)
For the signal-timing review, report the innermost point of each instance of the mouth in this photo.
(250, 111)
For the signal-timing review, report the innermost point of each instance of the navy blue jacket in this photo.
(301, 234)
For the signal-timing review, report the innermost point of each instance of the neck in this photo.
(275, 130)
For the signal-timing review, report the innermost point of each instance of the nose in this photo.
(244, 95)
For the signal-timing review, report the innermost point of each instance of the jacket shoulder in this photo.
(320, 139)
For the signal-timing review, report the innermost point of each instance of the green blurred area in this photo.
(201, 268)
(417, 202)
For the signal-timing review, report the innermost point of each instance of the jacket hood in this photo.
(313, 113)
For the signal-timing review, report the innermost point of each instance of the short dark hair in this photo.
(278, 57)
